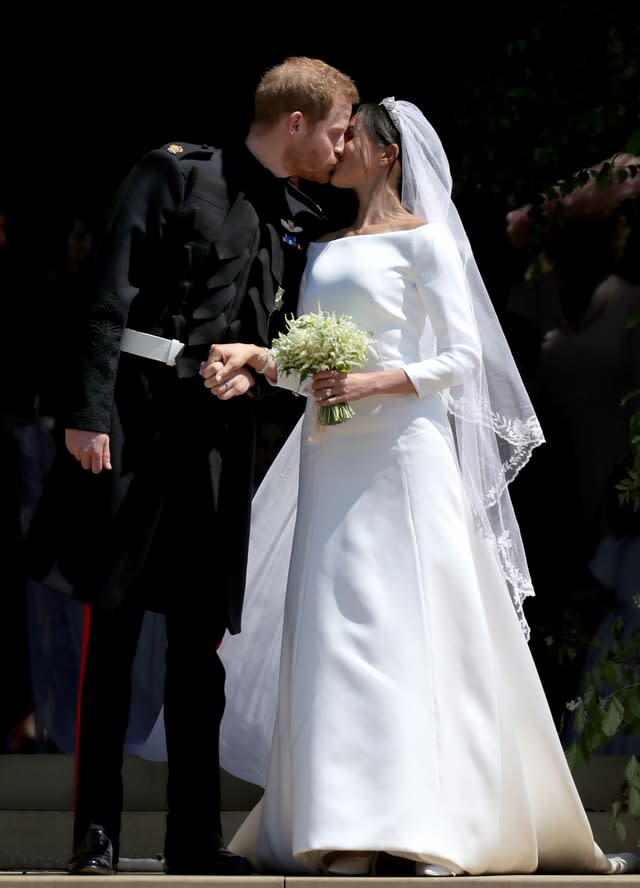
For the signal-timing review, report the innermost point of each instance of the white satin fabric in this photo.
(410, 716)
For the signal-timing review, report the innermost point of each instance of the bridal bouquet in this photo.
(321, 341)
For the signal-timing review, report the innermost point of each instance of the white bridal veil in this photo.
(494, 422)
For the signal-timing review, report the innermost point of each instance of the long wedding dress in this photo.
(410, 717)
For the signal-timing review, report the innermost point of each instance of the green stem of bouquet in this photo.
(334, 414)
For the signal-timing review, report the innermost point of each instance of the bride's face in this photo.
(360, 162)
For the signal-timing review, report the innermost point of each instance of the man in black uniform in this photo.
(202, 245)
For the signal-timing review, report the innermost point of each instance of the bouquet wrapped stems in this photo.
(333, 414)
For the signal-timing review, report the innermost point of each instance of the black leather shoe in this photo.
(220, 862)
(94, 855)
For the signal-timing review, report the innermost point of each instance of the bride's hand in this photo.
(237, 383)
(332, 387)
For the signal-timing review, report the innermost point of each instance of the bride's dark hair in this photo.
(378, 123)
(376, 120)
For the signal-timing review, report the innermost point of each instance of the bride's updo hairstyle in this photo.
(378, 122)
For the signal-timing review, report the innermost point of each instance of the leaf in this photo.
(616, 809)
(590, 693)
(634, 801)
(574, 756)
(633, 143)
(593, 736)
(580, 719)
(632, 769)
(613, 673)
(613, 717)
(633, 704)
(620, 831)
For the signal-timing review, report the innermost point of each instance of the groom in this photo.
(157, 474)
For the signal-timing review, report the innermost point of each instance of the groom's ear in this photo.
(294, 121)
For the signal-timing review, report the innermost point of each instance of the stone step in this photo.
(36, 798)
(45, 782)
(36, 819)
(150, 880)
(41, 840)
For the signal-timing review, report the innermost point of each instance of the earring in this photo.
(383, 163)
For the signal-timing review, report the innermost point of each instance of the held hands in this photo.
(225, 372)
(91, 449)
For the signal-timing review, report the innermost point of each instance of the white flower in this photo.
(321, 341)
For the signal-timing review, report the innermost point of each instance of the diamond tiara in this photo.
(389, 104)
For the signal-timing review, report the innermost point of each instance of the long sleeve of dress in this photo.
(440, 281)
(293, 382)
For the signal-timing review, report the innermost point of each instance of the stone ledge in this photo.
(36, 797)
(61, 880)
(41, 840)
(45, 783)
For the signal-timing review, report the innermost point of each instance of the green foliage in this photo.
(629, 488)
(633, 145)
(609, 706)
(609, 703)
(558, 92)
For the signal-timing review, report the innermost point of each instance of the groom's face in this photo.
(315, 148)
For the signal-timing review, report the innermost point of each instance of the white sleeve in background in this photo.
(440, 281)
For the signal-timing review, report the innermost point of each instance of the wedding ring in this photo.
(327, 393)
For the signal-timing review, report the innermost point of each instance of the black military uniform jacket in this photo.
(201, 245)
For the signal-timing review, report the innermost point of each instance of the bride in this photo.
(388, 702)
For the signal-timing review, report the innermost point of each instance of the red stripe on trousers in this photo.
(86, 629)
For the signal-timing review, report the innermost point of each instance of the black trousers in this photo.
(193, 708)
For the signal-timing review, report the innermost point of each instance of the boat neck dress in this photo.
(388, 701)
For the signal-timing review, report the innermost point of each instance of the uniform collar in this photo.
(262, 185)
(299, 202)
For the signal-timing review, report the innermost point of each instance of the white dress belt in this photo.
(146, 345)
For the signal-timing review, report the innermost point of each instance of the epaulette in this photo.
(186, 150)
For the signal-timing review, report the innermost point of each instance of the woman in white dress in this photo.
(401, 716)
